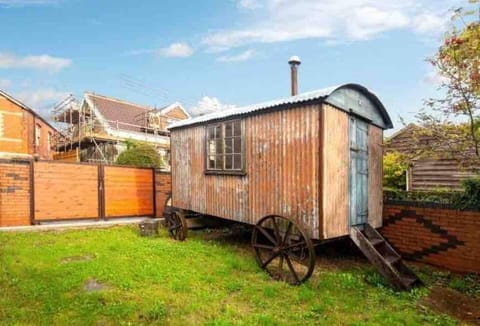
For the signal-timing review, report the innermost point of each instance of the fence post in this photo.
(32, 193)
(101, 192)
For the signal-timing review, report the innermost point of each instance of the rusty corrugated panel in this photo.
(282, 153)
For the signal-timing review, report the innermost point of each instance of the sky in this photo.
(213, 54)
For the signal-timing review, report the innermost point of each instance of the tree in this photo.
(394, 171)
(140, 154)
(454, 120)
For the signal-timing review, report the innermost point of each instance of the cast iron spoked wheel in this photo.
(283, 249)
(177, 225)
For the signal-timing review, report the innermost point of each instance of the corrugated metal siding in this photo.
(433, 174)
(282, 160)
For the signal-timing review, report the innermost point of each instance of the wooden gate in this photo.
(129, 191)
(65, 191)
(72, 191)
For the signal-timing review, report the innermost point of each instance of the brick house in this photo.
(23, 132)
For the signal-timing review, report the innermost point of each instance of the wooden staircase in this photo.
(388, 262)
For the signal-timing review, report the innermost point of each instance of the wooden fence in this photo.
(35, 192)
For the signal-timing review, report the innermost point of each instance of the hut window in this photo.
(225, 147)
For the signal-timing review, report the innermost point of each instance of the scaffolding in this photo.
(83, 135)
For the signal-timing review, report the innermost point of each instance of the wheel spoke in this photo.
(292, 270)
(287, 233)
(276, 230)
(269, 260)
(295, 245)
(258, 245)
(266, 234)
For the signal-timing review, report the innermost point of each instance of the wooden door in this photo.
(358, 186)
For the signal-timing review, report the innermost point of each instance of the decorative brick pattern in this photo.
(443, 237)
(14, 193)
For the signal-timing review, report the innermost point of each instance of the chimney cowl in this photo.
(294, 60)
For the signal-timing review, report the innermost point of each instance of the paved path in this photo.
(81, 224)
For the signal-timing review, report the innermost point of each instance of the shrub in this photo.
(395, 168)
(140, 154)
(470, 197)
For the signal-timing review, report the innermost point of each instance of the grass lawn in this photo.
(134, 280)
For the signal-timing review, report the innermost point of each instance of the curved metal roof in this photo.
(335, 95)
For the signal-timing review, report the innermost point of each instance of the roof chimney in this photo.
(294, 62)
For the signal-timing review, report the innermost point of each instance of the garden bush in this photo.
(141, 155)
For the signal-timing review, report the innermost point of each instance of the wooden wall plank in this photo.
(336, 154)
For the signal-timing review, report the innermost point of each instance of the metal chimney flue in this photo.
(294, 62)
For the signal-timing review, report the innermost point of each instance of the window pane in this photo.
(228, 129)
(211, 162)
(237, 128)
(211, 132)
(218, 131)
(211, 147)
(237, 142)
(228, 146)
(219, 162)
(219, 146)
(228, 162)
(237, 162)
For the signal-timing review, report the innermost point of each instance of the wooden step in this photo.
(376, 242)
(387, 261)
(392, 259)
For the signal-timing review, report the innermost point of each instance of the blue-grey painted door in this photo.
(358, 187)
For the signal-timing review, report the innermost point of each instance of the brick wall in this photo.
(163, 188)
(443, 237)
(14, 193)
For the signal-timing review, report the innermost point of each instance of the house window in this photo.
(38, 131)
(225, 148)
(49, 140)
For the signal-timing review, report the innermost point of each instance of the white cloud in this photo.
(5, 83)
(244, 56)
(40, 62)
(282, 20)
(434, 78)
(42, 100)
(209, 104)
(430, 22)
(176, 50)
